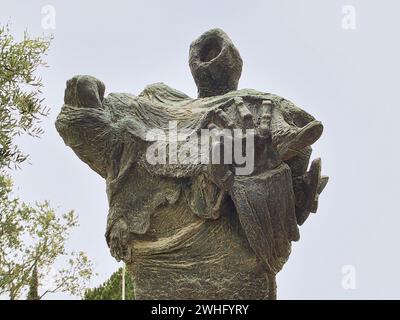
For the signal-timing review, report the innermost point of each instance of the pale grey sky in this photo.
(348, 79)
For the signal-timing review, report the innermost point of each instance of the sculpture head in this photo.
(215, 63)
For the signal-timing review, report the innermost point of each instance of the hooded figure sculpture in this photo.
(193, 222)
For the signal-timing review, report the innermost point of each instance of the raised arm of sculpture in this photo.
(86, 124)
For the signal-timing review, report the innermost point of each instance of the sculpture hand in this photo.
(265, 154)
(118, 240)
(84, 91)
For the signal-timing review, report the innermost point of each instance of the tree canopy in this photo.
(32, 237)
(112, 288)
(21, 106)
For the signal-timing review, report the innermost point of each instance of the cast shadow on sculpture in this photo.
(192, 229)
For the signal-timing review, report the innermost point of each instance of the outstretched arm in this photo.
(85, 124)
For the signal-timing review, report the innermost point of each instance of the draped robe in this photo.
(187, 237)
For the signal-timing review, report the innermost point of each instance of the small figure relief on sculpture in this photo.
(205, 195)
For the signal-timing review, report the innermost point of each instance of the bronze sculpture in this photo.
(192, 229)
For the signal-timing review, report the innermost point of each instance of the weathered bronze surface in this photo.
(198, 230)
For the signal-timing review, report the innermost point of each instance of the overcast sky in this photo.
(301, 50)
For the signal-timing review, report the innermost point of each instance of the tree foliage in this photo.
(112, 288)
(21, 106)
(32, 244)
(33, 257)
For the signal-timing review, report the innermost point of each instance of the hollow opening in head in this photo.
(211, 49)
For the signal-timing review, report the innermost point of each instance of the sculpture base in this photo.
(200, 283)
